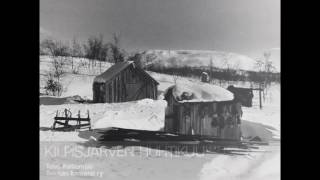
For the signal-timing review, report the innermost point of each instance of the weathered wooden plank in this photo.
(114, 91)
(196, 120)
(120, 89)
(71, 119)
(181, 121)
(117, 90)
(106, 92)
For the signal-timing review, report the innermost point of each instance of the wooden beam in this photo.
(71, 119)
(260, 100)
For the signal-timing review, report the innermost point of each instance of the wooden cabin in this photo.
(202, 109)
(124, 82)
(243, 95)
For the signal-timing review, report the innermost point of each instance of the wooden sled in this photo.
(63, 121)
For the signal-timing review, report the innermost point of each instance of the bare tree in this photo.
(137, 59)
(117, 53)
(94, 48)
(56, 48)
(259, 64)
(227, 65)
(58, 65)
(268, 68)
(265, 67)
(53, 84)
(49, 45)
(75, 50)
(175, 78)
(149, 58)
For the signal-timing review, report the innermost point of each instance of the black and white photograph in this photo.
(159, 89)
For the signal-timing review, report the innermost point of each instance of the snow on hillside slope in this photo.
(197, 58)
(80, 65)
(77, 80)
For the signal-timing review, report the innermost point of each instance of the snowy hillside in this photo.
(78, 77)
(197, 58)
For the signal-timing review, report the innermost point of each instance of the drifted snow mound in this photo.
(200, 92)
(146, 114)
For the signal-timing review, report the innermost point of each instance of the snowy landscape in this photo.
(148, 114)
(159, 90)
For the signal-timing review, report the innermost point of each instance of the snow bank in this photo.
(146, 114)
(54, 136)
(262, 166)
(268, 116)
(200, 92)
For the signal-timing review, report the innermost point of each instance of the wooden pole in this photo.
(260, 99)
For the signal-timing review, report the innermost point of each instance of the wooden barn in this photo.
(123, 82)
(202, 109)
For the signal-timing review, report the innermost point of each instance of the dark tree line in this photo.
(94, 49)
(220, 74)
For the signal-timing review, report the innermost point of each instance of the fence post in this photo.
(260, 99)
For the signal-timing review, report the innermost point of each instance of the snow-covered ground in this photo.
(262, 165)
(148, 114)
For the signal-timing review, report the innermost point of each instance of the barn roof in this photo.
(116, 69)
(199, 92)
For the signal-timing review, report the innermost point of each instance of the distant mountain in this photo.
(199, 58)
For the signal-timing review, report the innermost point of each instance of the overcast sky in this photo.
(248, 27)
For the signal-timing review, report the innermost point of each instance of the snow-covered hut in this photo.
(202, 109)
(124, 82)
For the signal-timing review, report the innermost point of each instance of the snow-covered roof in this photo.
(199, 92)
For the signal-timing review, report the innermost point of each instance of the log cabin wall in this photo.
(215, 119)
(129, 85)
(98, 92)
